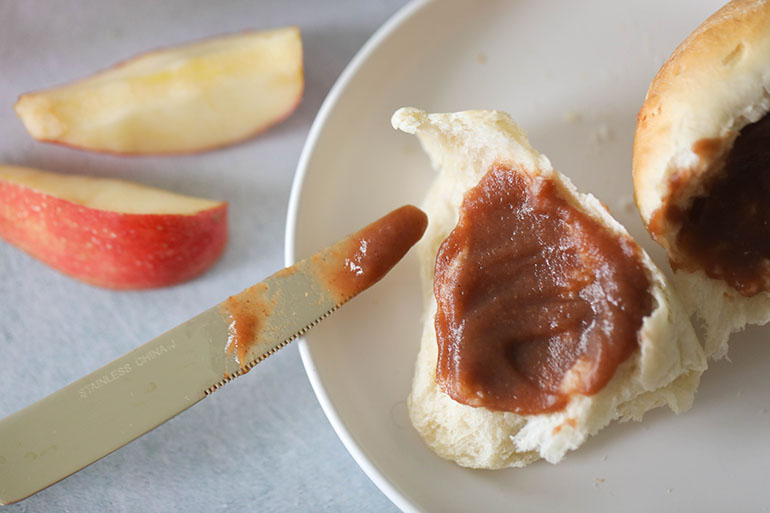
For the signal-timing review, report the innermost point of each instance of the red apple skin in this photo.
(112, 249)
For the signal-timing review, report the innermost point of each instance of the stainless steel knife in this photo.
(128, 397)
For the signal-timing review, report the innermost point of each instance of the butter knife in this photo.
(101, 412)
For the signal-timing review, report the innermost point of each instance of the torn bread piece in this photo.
(545, 299)
(701, 167)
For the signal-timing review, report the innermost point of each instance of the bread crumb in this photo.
(481, 58)
(571, 117)
(626, 204)
(399, 415)
(601, 134)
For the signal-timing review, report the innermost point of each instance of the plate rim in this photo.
(379, 37)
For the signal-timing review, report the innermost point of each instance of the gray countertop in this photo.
(262, 443)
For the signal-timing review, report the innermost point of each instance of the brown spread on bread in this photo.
(537, 300)
(725, 230)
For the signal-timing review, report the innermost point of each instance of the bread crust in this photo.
(665, 370)
(714, 83)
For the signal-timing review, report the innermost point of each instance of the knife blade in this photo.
(99, 413)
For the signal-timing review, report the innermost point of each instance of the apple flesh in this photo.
(108, 232)
(177, 100)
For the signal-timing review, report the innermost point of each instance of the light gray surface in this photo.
(262, 442)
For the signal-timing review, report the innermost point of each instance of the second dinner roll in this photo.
(701, 165)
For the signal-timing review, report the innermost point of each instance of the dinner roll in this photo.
(713, 88)
(663, 368)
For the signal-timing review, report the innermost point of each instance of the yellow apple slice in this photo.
(177, 100)
(108, 232)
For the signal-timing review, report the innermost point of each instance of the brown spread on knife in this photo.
(726, 230)
(536, 300)
(362, 259)
(347, 268)
(246, 312)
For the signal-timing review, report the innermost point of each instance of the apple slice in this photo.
(107, 232)
(177, 100)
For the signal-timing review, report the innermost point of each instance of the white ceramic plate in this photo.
(574, 76)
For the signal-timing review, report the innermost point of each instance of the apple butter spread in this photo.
(536, 300)
(726, 231)
(345, 269)
(362, 259)
(246, 313)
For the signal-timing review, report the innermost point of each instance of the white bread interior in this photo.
(720, 308)
(715, 83)
(665, 370)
